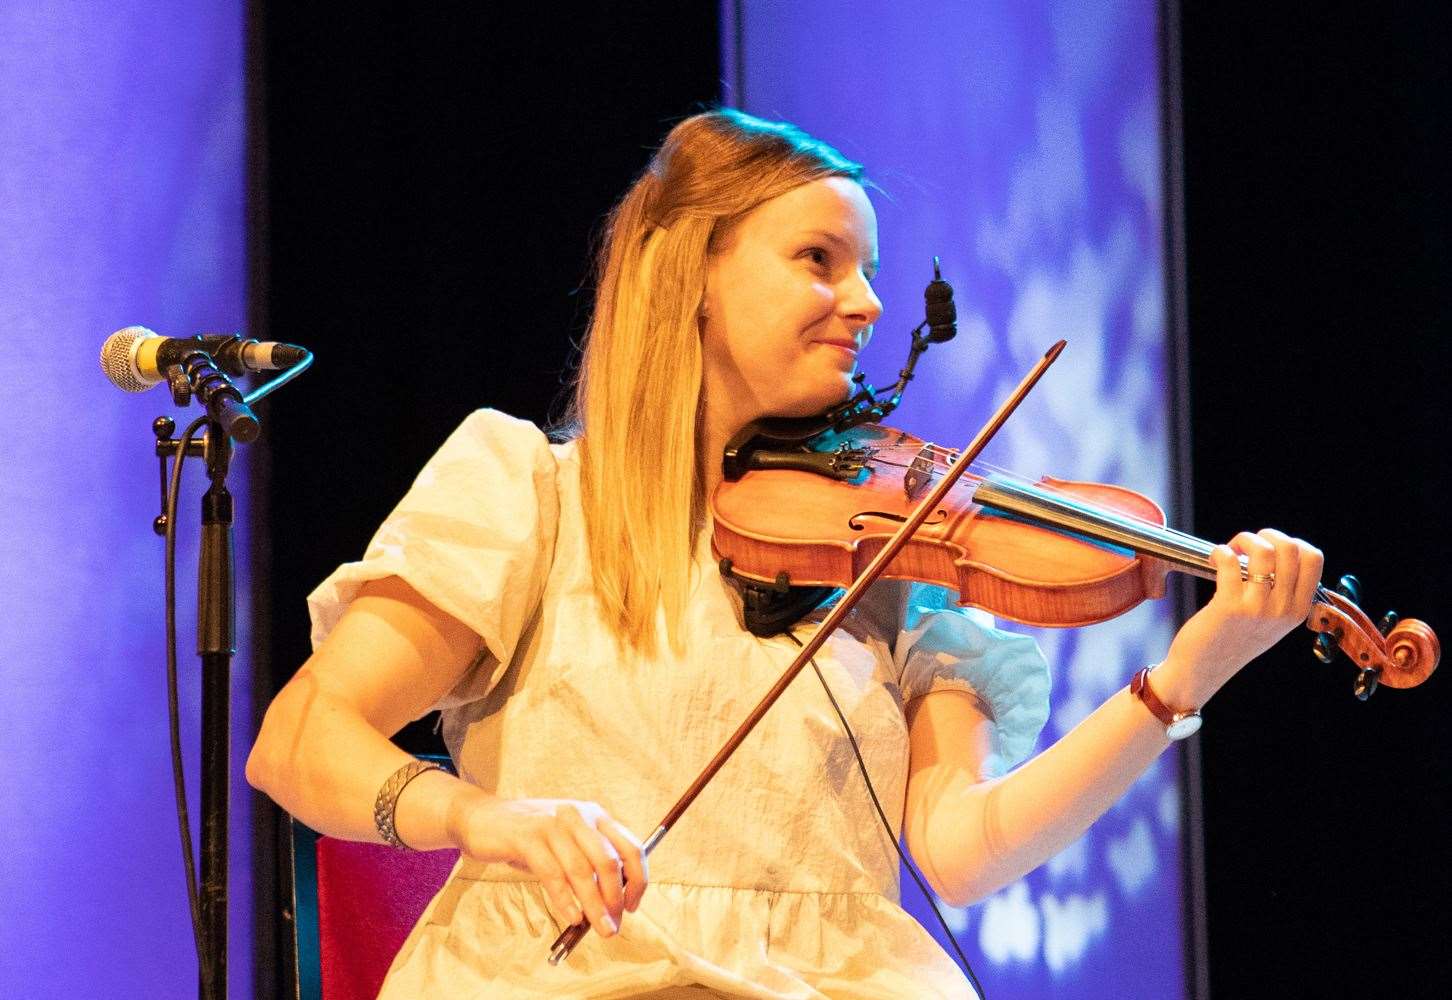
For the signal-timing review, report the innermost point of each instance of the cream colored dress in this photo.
(779, 881)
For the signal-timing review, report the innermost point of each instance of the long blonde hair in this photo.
(637, 396)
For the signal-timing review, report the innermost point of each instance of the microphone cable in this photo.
(173, 489)
(911, 868)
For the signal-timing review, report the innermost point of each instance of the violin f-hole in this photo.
(939, 516)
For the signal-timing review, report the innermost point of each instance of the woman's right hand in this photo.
(576, 850)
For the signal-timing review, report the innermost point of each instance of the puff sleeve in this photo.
(474, 536)
(937, 645)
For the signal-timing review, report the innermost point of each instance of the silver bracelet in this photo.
(387, 800)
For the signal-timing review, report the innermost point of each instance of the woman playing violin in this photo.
(559, 601)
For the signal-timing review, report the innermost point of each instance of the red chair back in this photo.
(366, 898)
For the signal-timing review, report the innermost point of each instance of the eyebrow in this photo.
(872, 264)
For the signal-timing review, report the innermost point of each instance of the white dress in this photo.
(779, 881)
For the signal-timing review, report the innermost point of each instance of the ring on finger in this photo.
(1267, 578)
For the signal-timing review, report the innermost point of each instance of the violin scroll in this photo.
(1401, 654)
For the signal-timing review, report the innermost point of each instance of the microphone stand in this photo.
(216, 645)
(216, 623)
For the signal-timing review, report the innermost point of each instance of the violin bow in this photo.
(572, 935)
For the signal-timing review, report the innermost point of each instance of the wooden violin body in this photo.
(1052, 553)
(1027, 573)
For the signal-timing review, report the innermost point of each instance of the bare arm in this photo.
(972, 837)
(323, 753)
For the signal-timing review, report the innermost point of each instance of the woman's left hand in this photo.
(1244, 618)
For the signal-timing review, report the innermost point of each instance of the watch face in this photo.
(1184, 724)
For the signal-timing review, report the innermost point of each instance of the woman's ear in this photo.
(703, 308)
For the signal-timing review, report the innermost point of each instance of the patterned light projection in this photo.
(1020, 141)
(121, 201)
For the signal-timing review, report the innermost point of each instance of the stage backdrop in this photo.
(1021, 142)
(121, 201)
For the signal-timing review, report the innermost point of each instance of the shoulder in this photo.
(492, 449)
(493, 485)
(493, 431)
(474, 536)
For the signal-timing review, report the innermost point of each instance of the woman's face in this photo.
(789, 303)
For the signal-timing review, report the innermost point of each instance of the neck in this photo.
(727, 405)
(715, 432)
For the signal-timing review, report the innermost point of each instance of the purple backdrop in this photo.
(1020, 141)
(121, 201)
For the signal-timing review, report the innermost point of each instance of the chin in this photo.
(809, 405)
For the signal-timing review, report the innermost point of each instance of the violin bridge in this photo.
(919, 475)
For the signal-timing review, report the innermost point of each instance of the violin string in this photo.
(1124, 516)
(979, 467)
(984, 469)
(944, 457)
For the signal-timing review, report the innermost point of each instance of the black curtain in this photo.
(1319, 317)
(427, 184)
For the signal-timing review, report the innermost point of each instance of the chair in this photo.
(353, 905)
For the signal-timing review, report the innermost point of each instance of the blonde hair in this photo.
(637, 395)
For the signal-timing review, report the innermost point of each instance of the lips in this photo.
(845, 343)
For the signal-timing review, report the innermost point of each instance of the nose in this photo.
(859, 303)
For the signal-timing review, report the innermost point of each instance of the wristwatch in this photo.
(1178, 725)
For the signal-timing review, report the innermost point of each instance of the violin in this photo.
(1051, 553)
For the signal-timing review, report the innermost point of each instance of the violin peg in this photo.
(1388, 622)
(1366, 683)
(1349, 587)
(1324, 648)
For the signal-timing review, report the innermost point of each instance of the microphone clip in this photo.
(198, 374)
(870, 405)
(180, 388)
(225, 357)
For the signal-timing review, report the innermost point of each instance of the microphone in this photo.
(135, 359)
(942, 314)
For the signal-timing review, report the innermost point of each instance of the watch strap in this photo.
(1174, 721)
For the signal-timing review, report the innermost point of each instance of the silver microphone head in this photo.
(118, 358)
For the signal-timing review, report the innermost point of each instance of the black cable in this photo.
(208, 988)
(862, 766)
